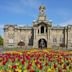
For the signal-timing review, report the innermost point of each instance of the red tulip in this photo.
(59, 70)
(4, 62)
(55, 66)
(19, 58)
(66, 58)
(28, 57)
(14, 66)
(29, 66)
(64, 67)
(13, 59)
(32, 71)
(49, 59)
(23, 62)
(37, 62)
(40, 67)
(46, 64)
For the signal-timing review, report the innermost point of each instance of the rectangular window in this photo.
(42, 29)
(54, 40)
(11, 43)
(61, 40)
(38, 31)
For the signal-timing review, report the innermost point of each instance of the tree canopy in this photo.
(1, 41)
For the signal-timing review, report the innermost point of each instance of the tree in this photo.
(1, 41)
(21, 44)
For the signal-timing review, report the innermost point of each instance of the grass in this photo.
(13, 49)
(22, 49)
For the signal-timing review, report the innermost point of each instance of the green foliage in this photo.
(1, 41)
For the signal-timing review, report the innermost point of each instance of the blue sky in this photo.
(23, 12)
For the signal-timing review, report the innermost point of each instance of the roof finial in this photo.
(42, 9)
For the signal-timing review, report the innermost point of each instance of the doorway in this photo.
(42, 43)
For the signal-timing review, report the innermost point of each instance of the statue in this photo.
(42, 44)
(42, 9)
(42, 15)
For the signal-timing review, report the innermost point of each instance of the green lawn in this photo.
(14, 49)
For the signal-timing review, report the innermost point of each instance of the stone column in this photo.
(35, 44)
(68, 39)
(48, 43)
(44, 30)
(65, 36)
(39, 30)
(16, 39)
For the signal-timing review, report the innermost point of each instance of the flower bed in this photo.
(35, 61)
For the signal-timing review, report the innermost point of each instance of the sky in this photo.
(23, 12)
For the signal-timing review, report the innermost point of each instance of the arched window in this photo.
(42, 29)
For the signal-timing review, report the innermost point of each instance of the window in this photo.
(10, 45)
(61, 39)
(38, 31)
(54, 40)
(11, 41)
(42, 29)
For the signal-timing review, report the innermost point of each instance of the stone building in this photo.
(42, 33)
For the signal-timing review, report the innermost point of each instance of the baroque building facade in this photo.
(42, 33)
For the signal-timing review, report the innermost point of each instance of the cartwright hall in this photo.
(42, 33)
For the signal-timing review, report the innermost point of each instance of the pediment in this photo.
(42, 23)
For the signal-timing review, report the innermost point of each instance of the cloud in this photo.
(69, 22)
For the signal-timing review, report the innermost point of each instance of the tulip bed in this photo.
(36, 61)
